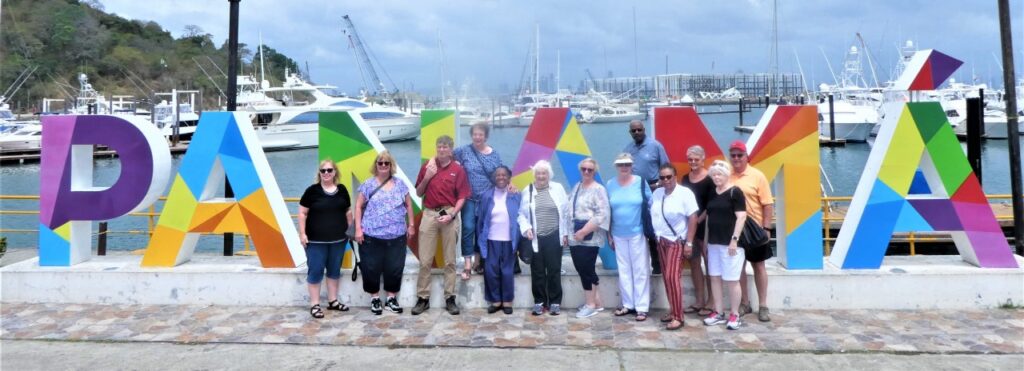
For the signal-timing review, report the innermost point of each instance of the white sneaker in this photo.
(734, 322)
(714, 319)
(586, 312)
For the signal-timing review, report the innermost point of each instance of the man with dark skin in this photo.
(648, 156)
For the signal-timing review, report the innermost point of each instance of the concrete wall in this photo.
(920, 282)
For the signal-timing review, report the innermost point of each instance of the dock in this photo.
(99, 152)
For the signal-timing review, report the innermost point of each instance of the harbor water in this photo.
(295, 170)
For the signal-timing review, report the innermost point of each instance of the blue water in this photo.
(295, 170)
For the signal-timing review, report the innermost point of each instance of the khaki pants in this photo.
(428, 233)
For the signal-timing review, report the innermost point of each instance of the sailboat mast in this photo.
(558, 70)
(263, 75)
(536, 63)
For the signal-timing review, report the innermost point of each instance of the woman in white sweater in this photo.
(542, 221)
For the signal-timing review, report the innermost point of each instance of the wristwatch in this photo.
(689, 244)
(735, 238)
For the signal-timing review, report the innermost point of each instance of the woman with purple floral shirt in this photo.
(383, 224)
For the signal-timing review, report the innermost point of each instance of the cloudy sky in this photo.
(486, 42)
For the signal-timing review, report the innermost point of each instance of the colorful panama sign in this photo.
(785, 141)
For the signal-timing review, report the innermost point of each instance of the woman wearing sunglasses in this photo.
(588, 212)
(324, 217)
(674, 215)
(384, 223)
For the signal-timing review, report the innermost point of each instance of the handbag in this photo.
(355, 256)
(579, 224)
(752, 235)
(525, 250)
(645, 215)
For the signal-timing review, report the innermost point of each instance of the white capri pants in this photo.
(721, 264)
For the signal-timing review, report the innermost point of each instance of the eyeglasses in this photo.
(586, 170)
(641, 130)
(326, 171)
(383, 163)
(666, 177)
(737, 155)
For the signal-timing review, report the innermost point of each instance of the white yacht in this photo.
(854, 109)
(287, 117)
(23, 138)
(604, 114)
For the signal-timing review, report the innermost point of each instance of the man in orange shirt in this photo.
(760, 207)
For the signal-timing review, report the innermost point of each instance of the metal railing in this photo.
(830, 207)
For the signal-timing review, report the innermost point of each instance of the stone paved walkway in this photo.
(945, 332)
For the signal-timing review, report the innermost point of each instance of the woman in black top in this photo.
(726, 213)
(702, 187)
(324, 217)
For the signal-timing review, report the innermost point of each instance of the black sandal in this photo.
(336, 305)
(316, 312)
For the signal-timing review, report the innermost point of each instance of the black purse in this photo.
(525, 250)
(579, 224)
(753, 235)
(645, 214)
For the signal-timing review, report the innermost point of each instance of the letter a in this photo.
(883, 204)
(225, 143)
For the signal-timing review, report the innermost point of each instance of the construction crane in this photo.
(590, 77)
(375, 86)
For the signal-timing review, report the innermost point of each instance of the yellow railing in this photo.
(829, 215)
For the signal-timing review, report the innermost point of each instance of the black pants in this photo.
(584, 258)
(655, 261)
(546, 270)
(382, 257)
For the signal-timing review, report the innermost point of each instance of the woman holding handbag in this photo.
(674, 215)
(726, 216)
(544, 225)
(589, 214)
(384, 223)
(627, 195)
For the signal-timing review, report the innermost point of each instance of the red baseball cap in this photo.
(738, 144)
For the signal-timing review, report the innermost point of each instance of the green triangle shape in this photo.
(339, 137)
(929, 118)
(949, 159)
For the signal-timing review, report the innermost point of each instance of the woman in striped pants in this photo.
(674, 215)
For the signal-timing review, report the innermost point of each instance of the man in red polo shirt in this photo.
(444, 187)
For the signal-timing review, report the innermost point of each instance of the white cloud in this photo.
(488, 40)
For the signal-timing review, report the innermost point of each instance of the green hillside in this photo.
(124, 57)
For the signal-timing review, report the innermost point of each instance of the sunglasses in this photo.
(326, 171)
(737, 155)
(624, 165)
(636, 130)
(586, 170)
(383, 163)
(666, 177)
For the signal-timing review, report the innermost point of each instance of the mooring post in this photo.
(831, 118)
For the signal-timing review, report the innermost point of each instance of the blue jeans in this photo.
(468, 213)
(324, 256)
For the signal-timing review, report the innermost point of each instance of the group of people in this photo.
(654, 220)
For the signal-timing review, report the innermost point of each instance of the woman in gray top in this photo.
(588, 213)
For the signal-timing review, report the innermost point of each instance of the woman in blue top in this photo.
(626, 194)
(499, 237)
(479, 160)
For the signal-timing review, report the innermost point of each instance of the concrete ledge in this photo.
(904, 282)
